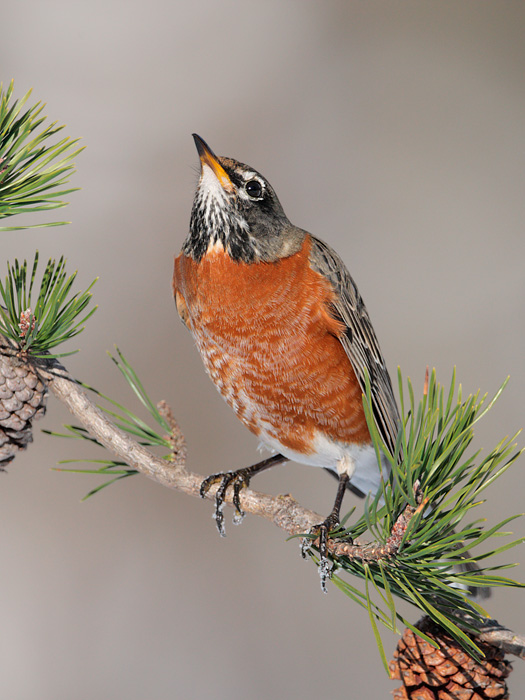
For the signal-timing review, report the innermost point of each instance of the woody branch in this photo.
(283, 510)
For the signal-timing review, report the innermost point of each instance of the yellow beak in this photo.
(208, 157)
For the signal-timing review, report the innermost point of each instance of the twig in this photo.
(175, 438)
(491, 632)
(375, 551)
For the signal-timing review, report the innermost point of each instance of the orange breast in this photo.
(271, 346)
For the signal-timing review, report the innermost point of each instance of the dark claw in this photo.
(240, 479)
(323, 532)
(240, 482)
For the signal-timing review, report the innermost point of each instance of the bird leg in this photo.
(239, 479)
(323, 530)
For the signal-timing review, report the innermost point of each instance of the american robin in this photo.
(283, 333)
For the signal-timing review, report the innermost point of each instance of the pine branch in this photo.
(284, 511)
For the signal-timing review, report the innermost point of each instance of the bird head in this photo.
(237, 209)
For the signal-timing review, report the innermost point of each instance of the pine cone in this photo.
(447, 673)
(22, 399)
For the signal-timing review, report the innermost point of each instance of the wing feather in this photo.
(359, 340)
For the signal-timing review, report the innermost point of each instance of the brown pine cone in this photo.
(22, 399)
(447, 673)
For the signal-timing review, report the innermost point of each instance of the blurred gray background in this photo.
(395, 131)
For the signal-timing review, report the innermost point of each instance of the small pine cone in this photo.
(22, 399)
(447, 673)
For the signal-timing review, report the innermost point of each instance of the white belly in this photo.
(358, 461)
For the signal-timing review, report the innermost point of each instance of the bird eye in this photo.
(253, 189)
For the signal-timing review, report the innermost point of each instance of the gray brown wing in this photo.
(359, 340)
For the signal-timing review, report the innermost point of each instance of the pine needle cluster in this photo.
(39, 322)
(441, 483)
(33, 166)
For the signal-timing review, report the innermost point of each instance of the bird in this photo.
(284, 335)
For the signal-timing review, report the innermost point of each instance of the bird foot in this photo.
(239, 479)
(322, 533)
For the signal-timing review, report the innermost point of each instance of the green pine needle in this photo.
(36, 325)
(33, 168)
(111, 467)
(434, 443)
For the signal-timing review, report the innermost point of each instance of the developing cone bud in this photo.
(27, 322)
(446, 673)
